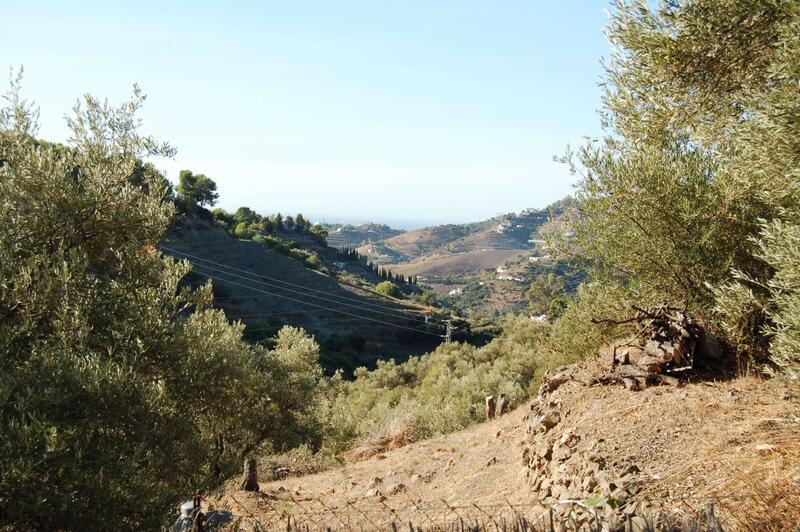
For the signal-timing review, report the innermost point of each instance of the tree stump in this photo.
(198, 518)
(502, 408)
(250, 479)
(490, 407)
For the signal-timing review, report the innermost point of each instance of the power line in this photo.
(400, 314)
(210, 276)
(269, 285)
(361, 303)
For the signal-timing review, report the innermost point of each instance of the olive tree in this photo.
(701, 150)
(121, 389)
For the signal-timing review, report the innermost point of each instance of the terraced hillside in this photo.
(416, 244)
(453, 251)
(341, 236)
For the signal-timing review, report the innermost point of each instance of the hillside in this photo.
(414, 244)
(484, 268)
(456, 251)
(267, 290)
(673, 450)
(341, 236)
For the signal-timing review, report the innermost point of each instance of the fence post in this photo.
(503, 406)
(490, 407)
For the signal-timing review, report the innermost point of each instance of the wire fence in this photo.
(291, 512)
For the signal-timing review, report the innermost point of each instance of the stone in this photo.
(765, 449)
(632, 470)
(550, 419)
(570, 438)
(490, 407)
(562, 453)
(544, 450)
(250, 477)
(551, 381)
(502, 407)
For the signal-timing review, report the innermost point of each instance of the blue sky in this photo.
(409, 112)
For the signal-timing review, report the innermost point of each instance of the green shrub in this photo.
(557, 307)
(744, 312)
(313, 261)
(574, 337)
(436, 393)
(243, 231)
(388, 288)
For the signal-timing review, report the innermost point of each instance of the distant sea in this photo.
(395, 223)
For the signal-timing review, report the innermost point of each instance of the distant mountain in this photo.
(346, 235)
(484, 268)
(458, 250)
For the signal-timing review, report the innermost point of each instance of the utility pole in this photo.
(448, 335)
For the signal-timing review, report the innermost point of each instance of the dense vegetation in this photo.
(121, 389)
(434, 393)
(692, 197)
(246, 223)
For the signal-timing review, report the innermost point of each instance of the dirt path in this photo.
(430, 481)
(689, 443)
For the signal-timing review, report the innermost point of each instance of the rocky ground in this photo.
(665, 449)
(581, 451)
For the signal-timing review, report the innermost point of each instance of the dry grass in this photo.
(769, 483)
(752, 476)
(395, 434)
(771, 506)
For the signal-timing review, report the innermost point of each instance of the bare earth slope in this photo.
(460, 250)
(413, 244)
(668, 449)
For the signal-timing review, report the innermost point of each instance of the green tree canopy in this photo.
(701, 113)
(197, 189)
(121, 389)
(246, 215)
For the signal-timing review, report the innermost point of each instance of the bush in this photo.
(436, 393)
(574, 337)
(243, 231)
(745, 312)
(313, 261)
(388, 288)
(557, 307)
